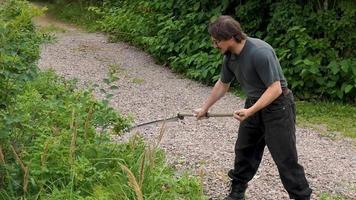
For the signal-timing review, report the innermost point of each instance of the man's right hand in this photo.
(200, 113)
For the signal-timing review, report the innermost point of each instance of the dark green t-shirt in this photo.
(255, 68)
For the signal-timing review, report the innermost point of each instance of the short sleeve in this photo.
(267, 66)
(226, 75)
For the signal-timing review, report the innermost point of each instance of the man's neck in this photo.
(237, 47)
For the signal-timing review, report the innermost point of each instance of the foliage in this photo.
(173, 31)
(48, 114)
(313, 39)
(53, 131)
(19, 48)
(139, 20)
(315, 47)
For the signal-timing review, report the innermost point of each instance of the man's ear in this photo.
(237, 38)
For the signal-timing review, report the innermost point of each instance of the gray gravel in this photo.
(149, 91)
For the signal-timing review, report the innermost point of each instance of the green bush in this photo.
(19, 48)
(53, 130)
(172, 31)
(313, 39)
(45, 119)
(315, 47)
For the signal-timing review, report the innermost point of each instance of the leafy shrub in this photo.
(172, 31)
(315, 47)
(19, 48)
(48, 114)
(313, 39)
(53, 130)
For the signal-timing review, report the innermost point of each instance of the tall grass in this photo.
(64, 158)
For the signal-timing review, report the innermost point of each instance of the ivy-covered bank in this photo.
(314, 40)
(55, 139)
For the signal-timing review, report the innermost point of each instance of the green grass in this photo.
(138, 80)
(51, 29)
(326, 196)
(331, 118)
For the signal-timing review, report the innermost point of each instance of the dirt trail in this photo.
(149, 91)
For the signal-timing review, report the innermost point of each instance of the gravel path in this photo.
(148, 91)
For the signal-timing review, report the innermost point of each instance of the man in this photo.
(268, 117)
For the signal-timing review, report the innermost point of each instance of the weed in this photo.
(138, 80)
(133, 182)
(326, 196)
(51, 29)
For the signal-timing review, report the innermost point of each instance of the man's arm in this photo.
(272, 92)
(218, 91)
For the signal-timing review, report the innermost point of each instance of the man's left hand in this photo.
(242, 114)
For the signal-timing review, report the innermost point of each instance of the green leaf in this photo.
(344, 66)
(314, 69)
(304, 72)
(105, 102)
(353, 68)
(196, 6)
(297, 62)
(108, 96)
(320, 80)
(348, 88)
(107, 81)
(334, 67)
(340, 94)
(309, 62)
(331, 84)
(113, 78)
(114, 87)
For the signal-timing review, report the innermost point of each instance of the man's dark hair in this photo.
(225, 27)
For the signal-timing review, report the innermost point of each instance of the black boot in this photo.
(237, 191)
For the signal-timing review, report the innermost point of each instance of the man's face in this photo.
(222, 45)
